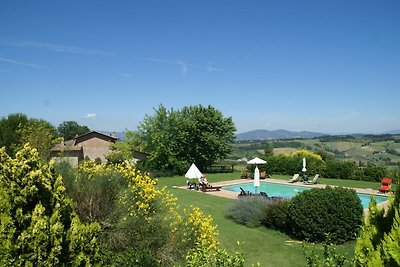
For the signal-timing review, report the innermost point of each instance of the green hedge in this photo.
(334, 169)
(349, 170)
(290, 165)
(325, 215)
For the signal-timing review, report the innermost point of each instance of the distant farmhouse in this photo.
(91, 145)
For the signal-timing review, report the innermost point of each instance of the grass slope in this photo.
(268, 247)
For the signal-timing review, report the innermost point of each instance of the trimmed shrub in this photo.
(374, 173)
(249, 211)
(276, 215)
(284, 164)
(340, 169)
(325, 215)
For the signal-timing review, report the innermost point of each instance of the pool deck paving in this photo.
(234, 195)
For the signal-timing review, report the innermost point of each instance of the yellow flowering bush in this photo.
(305, 153)
(200, 229)
(144, 226)
(38, 226)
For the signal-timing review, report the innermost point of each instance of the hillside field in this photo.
(374, 149)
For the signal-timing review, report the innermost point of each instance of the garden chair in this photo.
(205, 186)
(263, 175)
(386, 185)
(244, 193)
(294, 178)
(245, 174)
(314, 180)
(191, 185)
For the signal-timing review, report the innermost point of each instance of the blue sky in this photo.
(324, 66)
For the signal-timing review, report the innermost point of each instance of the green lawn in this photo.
(262, 245)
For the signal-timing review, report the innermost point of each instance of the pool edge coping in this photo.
(234, 195)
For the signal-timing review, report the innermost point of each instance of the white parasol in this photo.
(256, 171)
(256, 161)
(193, 172)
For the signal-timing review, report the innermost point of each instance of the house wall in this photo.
(96, 148)
(72, 157)
(73, 161)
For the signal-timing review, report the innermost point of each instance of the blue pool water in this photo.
(288, 191)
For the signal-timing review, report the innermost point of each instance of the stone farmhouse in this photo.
(91, 145)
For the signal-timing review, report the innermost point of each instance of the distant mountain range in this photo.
(272, 135)
(285, 134)
(119, 135)
(275, 134)
(394, 132)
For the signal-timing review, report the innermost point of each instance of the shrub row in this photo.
(332, 168)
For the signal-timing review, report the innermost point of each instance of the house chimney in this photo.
(113, 134)
(62, 143)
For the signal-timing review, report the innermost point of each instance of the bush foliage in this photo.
(293, 163)
(330, 214)
(379, 241)
(38, 226)
(275, 216)
(249, 211)
(335, 169)
(141, 224)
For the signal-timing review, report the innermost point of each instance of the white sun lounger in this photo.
(314, 180)
(294, 178)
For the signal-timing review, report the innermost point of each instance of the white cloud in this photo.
(54, 47)
(16, 62)
(210, 68)
(185, 66)
(90, 116)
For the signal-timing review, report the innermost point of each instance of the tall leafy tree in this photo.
(38, 226)
(158, 135)
(204, 135)
(70, 129)
(17, 129)
(10, 138)
(268, 149)
(176, 138)
(40, 134)
(124, 151)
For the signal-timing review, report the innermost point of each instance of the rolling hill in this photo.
(275, 134)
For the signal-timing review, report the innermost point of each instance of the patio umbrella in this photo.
(193, 172)
(256, 171)
(256, 161)
(256, 179)
(304, 165)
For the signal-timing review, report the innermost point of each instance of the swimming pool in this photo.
(288, 191)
